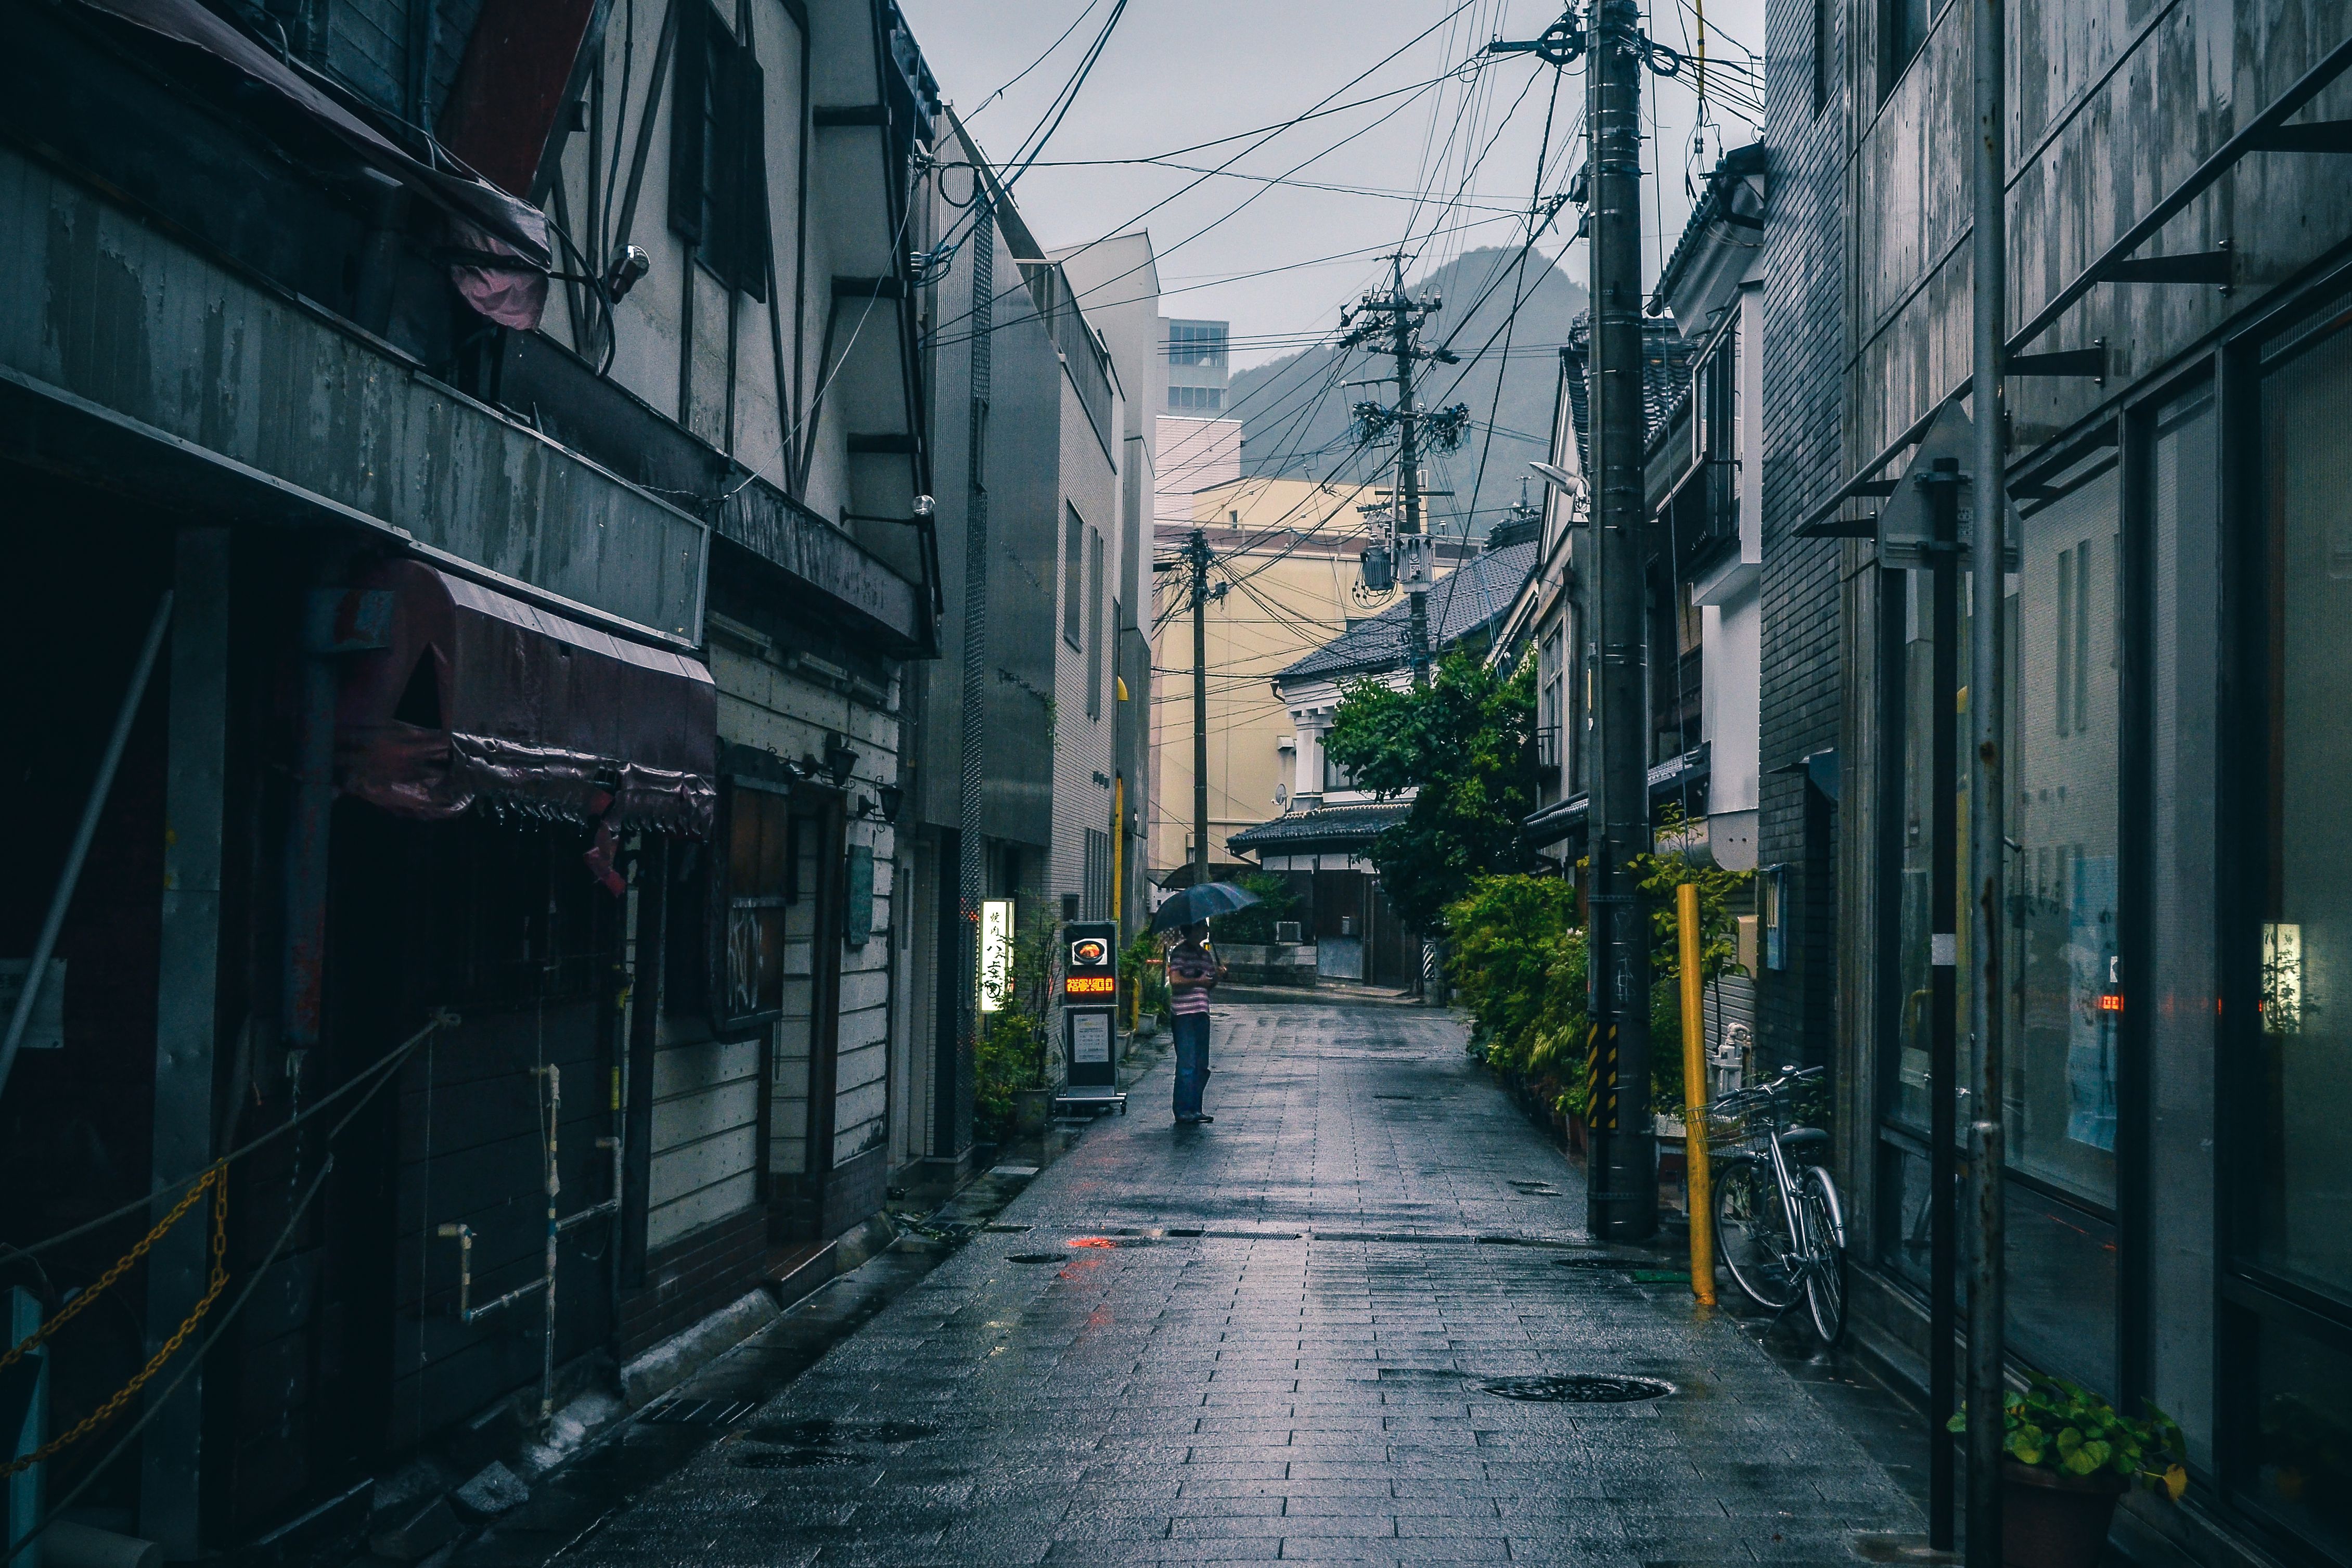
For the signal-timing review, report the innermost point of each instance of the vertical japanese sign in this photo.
(995, 953)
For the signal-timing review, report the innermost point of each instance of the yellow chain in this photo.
(216, 1179)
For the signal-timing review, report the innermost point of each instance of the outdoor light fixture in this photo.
(925, 506)
(627, 269)
(1558, 478)
(893, 797)
(840, 759)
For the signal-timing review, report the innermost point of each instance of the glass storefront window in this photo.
(2064, 719)
(1914, 1015)
(2304, 1224)
(2300, 1464)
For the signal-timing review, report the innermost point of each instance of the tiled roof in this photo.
(1465, 601)
(1712, 203)
(1324, 825)
(1665, 370)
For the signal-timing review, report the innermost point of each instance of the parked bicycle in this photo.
(1778, 1226)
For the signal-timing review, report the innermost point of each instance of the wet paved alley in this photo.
(1295, 1334)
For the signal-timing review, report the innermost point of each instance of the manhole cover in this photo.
(1580, 1388)
(1033, 1257)
(791, 1458)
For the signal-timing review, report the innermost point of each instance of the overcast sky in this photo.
(1443, 161)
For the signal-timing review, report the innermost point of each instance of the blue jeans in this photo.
(1191, 1034)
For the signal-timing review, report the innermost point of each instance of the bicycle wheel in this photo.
(1751, 1233)
(1817, 1204)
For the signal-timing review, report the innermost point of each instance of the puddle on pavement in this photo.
(792, 1459)
(1033, 1258)
(823, 1430)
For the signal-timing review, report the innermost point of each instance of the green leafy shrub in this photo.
(1255, 924)
(1519, 966)
(2059, 1425)
(1143, 975)
(1723, 895)
(1014, 1045)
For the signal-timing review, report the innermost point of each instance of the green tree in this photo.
(1256, 922)
(1466, 745)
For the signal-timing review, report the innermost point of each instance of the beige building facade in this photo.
(1286, 553)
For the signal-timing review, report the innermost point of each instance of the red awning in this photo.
(481, 699)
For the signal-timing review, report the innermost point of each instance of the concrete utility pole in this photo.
(1391, 319)
(1621, 1172)
(1988, 1283)
(1196, 555)
(1409, 465)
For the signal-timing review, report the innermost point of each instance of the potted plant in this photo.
(2067, 1456)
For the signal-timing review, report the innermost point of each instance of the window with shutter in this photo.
(719, 164)
(757, 878)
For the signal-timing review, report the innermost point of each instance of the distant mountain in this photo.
(1290, 428)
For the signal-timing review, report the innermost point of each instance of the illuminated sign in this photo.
(1090, 952)
(995, 954)
(1090, 986)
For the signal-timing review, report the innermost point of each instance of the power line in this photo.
(1033, 65)
(1312, 111)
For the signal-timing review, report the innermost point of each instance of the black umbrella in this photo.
(1188, 906)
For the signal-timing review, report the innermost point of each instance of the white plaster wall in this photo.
(1083, 745)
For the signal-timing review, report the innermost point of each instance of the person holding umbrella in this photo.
(1192, 972)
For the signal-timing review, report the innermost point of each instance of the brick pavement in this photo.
(1279, 1356)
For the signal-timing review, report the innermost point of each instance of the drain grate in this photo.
(677, 1412)
(1580, 1388)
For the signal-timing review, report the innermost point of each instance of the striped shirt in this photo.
(1190, 962)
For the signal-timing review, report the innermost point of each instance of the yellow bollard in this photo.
(1694, 1171)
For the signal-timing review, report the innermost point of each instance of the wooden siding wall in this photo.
(795, 1046)
(861, 1102)
(470, 1151)
(367, 45)
(706, 1131)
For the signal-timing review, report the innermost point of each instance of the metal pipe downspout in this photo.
(554, 1183)
(309, 815)
(45, 945)
(1988, 677)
